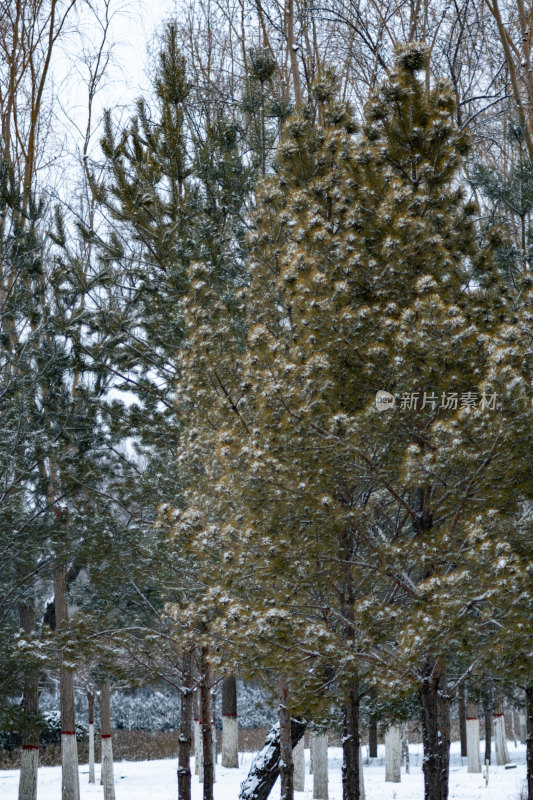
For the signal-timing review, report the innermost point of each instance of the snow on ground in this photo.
(156, 780)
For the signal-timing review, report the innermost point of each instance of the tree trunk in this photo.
(488, 730)
(108, 777)
(207, 729)
(29, 760)
(435, 709)
(405, 748)
(472, 738)
(351, 777)
(185, 739)
(70, 779)
(230, 725)
(320, 766)
(373, 737)
(529, 741)
(198, 750)
(298, 757)
(264, 770)
(90, 700)
(462, 720)
(311, 746)
(522, 724)
(393, 754)
(500, 737)
(286, 766)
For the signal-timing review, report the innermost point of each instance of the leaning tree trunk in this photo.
(207, 728)
(108, 777)
(230, 725)
(90, 700)
(185, 738)
(29, 760)
(462, 720)
(529, 741)
(320, 766)
(472, 738)
(265, 767)
(393, 754)
(351, 762)
(435, 710)
(500, 737)
(286, 765)
(70, 779)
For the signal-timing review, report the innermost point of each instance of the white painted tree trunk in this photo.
(198, 751)
(91, 752)
(230, 742)
(472, 738)
(69, 761)
(500, 738)
(107, 768)
(311, 745)
(523, 727)
(361, 776)
(393, 754)
(29, 764)
(298, 757)
(319, 746)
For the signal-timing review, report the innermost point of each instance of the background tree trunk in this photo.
(90, 700)
(186, 722)
(472, 738)
(198, 749)
(500, 737)
(529, 741)
(488, 729)
(462, 720)
(393, 754)
(373, 737)
(207, 729)
(70, 779)
(351, 780)
(264, 770)
(108, 777)
(29, 760)
(286, 766)
(230, 725)
(298, 757)
(320, 766)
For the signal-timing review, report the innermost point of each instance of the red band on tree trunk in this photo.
(106, 735)
(231, 716)
(30, 746)
(498, 715)
(471, 718)
(68, 733)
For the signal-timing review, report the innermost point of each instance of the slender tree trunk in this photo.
(373, 737)
(29, 760)
(311, 746)
(462, 720)
(107, 742)
(351, 779)
(435, 709)
(500, 736)
(298, 757)
(90, 700)
(472, 738)
(286, 766)
(488, 730)
(198, 750)
(393, 754)
(230, 725)
(320, 766)
(529, 741)
(264, 770)
(405, 748)
(185, 740)
(70, 779)
(522, 724)
(207, 730)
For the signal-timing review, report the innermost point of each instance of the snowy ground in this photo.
(156, 780)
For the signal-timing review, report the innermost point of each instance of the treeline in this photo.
(266, 375)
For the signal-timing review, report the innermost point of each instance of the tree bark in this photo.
(286, 766)
(198, 761)
(107, 742)
(298, 757)
(29, 761)
(90, 700)
(462, 720)
(373, 737)
(435, 710)
(393, 754)
(70, 779)
(320, 766)
(207, 730)
(529, 741)
(472, 738)
(500, 736)
(488, 730)
(230, 725)
(185, 738)
(351, 778)
(265, 767)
